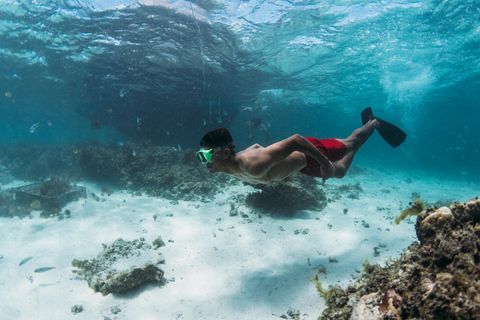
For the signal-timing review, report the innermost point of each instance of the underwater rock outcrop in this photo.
(436, 278)
(299, 192)
(122, 266)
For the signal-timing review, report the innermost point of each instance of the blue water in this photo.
(185, 68)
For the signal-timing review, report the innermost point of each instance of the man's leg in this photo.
(353, 144)
(267, 134)
(249, 125)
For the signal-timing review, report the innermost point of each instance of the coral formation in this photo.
(299, 192)
(436, 278)
(37, 162)
(157, 171)
(112, 272)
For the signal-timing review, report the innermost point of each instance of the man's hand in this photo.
(328, 171)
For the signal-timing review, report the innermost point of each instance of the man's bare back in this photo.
(250, 171)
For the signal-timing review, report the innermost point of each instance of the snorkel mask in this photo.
(205, 155)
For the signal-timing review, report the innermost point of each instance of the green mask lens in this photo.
(205, 155)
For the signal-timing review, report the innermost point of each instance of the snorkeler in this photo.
(255, 121)
(278, 161)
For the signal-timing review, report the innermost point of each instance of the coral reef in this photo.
(158, 171)
(122, 266)
(35, 162)
(140, 167)
(436, 278)
(299, 192)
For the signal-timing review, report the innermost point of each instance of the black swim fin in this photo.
(392, 134)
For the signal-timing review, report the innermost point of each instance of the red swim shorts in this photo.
(333, 149)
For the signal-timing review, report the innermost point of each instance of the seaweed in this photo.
(335, 298)
(334, 295)
(415, 209)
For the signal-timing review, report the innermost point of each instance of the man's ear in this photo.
(227, 152)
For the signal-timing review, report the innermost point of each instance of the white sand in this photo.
(223, 267)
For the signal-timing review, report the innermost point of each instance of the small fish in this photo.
(204, 122)
(219, 120)
(133, 153)
(179, 147)
(123, 92)
(33, 127)
(225, 112)
(139, 120)
(25, 261)
(167, 132)
(120, 143)
(44, 269)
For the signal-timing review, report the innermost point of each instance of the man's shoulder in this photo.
(249, 154)
(254, 147)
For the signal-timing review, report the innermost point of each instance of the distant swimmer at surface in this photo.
(328, 158)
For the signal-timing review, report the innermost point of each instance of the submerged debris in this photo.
(49, 196)
(436, 278)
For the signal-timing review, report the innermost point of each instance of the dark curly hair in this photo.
(217, 138)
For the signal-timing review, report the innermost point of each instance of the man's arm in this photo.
(275, 153)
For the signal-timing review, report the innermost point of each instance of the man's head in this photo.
(217, 138)
(217, 146)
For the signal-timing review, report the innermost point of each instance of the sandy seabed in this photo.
(217, 266)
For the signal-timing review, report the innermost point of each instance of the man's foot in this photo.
(393, 135)
(367, 130)
(374, 122)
